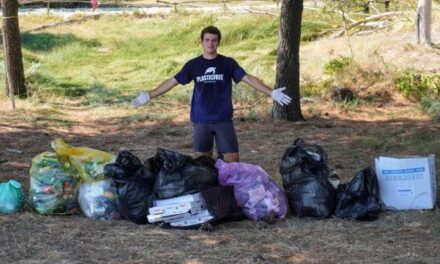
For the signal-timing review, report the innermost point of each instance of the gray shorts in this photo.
(222, 132)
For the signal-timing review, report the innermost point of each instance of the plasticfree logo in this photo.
(210, 70)
(210, 76)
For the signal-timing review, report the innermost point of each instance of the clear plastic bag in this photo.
(52, 188)
(97, 200)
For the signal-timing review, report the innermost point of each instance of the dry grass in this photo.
(386, 50)
(351, 138)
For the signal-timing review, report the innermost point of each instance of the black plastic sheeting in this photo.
(221, 203)
(359, 199)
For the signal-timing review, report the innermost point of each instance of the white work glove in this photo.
(280, 97)
(141, 99)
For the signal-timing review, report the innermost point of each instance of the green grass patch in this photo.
(337, 65)
(417, 85)
(106, 61)
(312, 30)
(45, 42)
(315, 88)
(431, 107)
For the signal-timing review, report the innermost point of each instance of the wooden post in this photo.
(6, 66)
(12, 47)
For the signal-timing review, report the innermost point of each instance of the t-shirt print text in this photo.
(209, 76)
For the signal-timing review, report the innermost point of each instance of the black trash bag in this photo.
(129, 162)
(206, 161)
(134, 189)
(126, 165)
(305, 177)
(315, 150)
(221, 204)
(149, 169)
(134, 195)
(181, 174)
(114, 171)
(359, 199)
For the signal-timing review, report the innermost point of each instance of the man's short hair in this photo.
(211, 30)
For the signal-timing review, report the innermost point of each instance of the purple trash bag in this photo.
(255, 192)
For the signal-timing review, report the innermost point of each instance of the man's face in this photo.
(210, 43)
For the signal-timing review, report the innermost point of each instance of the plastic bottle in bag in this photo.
(52, 188)
(97, 200)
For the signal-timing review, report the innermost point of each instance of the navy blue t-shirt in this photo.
(212, 96)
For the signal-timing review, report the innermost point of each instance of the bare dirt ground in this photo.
(352, 140)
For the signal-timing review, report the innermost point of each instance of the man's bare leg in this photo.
(228, 157)
(208, 154)
(232, 157)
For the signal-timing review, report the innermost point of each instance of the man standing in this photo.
(211, 104)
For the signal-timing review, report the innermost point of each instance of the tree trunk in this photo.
(288, 60)
(12, 47)
(424, 17)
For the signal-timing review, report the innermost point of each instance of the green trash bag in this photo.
(53, 189)
(11, 197)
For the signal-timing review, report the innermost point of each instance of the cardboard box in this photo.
(195, 209)
(407, 182)
(184, 210)
(171, 218)
(180, 199)
(177, 208)
(196, 219)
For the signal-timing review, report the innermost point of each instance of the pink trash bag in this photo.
(255, 192)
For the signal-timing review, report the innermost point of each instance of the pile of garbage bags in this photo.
(313, 189)
(72, 179)
(170, 174)
(107, 187)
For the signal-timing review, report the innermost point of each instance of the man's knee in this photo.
(208, 154)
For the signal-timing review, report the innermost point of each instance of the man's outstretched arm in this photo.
(276, 94)
(255, 83)
(145, 97)
(164, 87)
